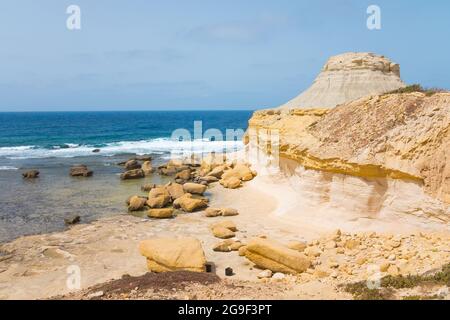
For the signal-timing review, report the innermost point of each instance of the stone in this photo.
(321, 273)
(229, 212)
(96, 150)
(313, 251)
(217, 172)
(229, 272)
(265, 274)
(226, 224)
(231, 183)
(132, 174)
(184, 175)
(297, 245)
(236, 245)
(194, 188)
(175, 190)
(240, 171)
(393, 270)
(132, 165)
(352, 244)
(213, 212)
(80, 170)
(224, 246)
(164, 213)
(222, 232)
(173, 254)
(226, 212)
(147, 168)
(97, 294)
(242, 251)
(136, 203)
(31, 174)
(267, 254)
(330, 245)
(208, 179)
(158, 197)
(278, 276)
(148, 187)
(189, 204)
(74, 219)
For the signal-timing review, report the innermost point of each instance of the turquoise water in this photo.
(52, 142)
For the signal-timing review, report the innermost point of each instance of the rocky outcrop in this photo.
(80, 170)
(347, 77)
(391, 151)
(31, 174)
(173, 254)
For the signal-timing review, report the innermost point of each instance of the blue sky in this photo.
(202, 54)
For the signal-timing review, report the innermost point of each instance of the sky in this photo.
(203, 54)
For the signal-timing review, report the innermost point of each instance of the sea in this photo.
(52, 142)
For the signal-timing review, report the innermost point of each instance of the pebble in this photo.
(265, 274)
(278, 276)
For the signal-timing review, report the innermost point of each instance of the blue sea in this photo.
(69, 134)
(53, 141)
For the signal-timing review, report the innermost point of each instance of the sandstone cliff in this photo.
(397, 136)
(347, 77)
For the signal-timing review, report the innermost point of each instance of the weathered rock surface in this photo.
(194, 188)
(136, 203)
(189, 204)
(147, 168)
(132, 174)
(171, 254)
(274, 256)
(347, 77)
(163, 213)
(382, 147)
(80, 170)
(31, 174)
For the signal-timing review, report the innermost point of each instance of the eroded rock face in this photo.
(347, 77)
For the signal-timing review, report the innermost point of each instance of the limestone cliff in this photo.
(347, 77)
(385, 157)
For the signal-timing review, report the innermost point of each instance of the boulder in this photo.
(164, 213)
(184, 175)
(194, 188)
(148, 187)
(218, 171)
(147, 168)
(231, 183)
(143, 157)
(267, 254)
(132, 174)
(224, 246)
(172, 254)
(132, 165)
(213, 212)
(189, 204)
(240, 171)
(80, 170)
(226, 212)
(208, 179)
(222, 232)
(226, 224)
(31, 174)
(175, 190)
(136, 203)
(297, 245)
(158, 197)
(74, 219)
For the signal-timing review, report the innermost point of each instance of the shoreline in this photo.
(107, 249)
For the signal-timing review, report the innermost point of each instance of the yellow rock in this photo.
(297, 245)
(352, 244)
(173, 254)
(160, 213)
(226, 224)
(276, 257)
(189, 204)
(194, 188)
(222, 232)
(231, 183)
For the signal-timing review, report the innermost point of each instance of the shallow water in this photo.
(40, 205)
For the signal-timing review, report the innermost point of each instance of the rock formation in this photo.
(382, 155)
(347, 77)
